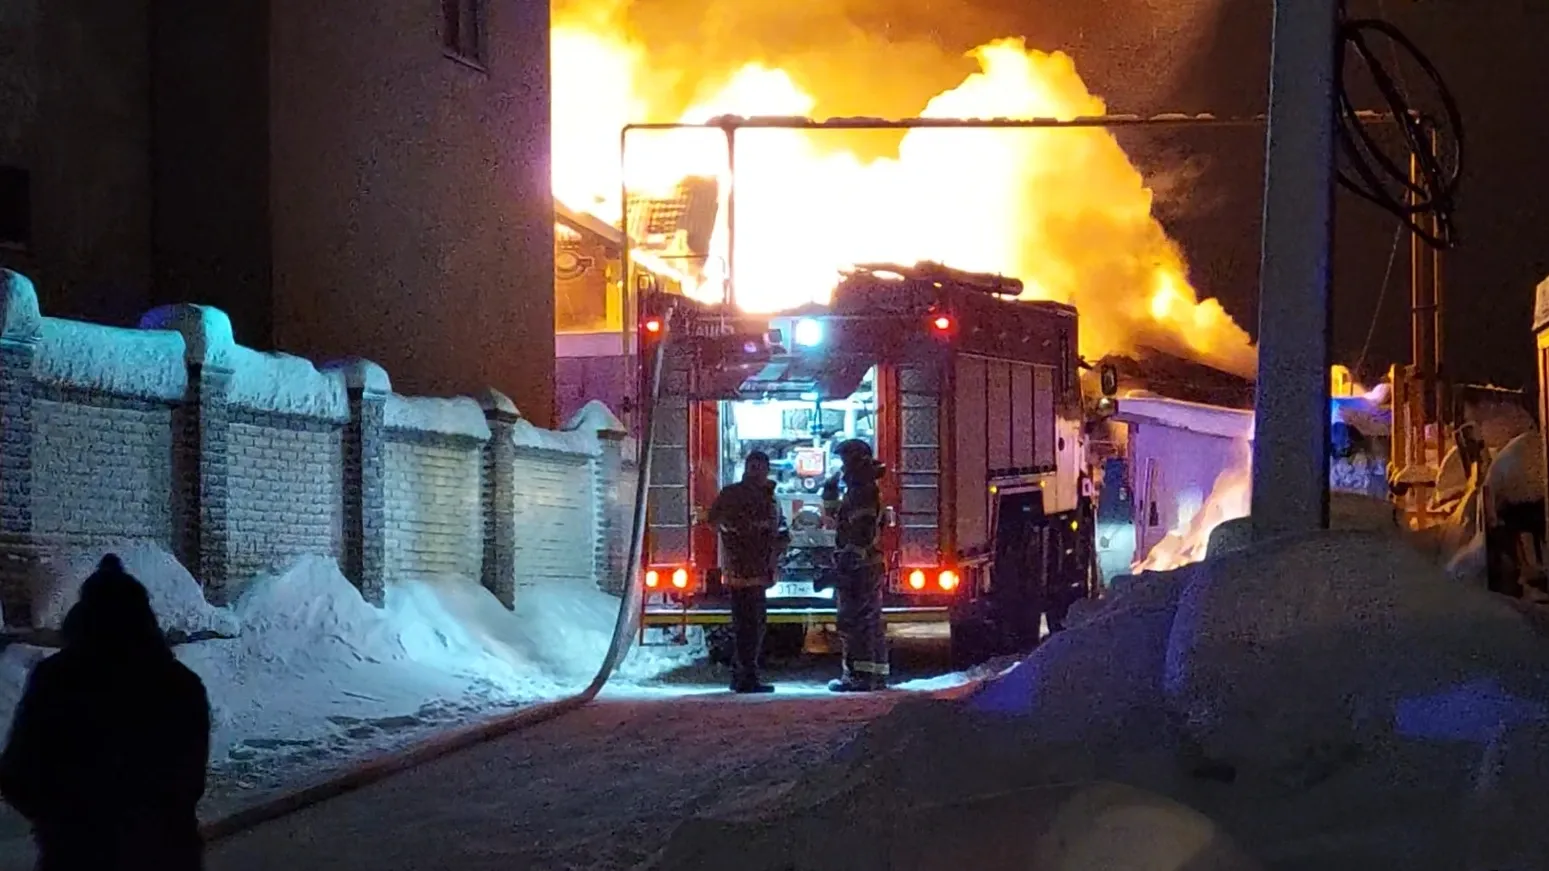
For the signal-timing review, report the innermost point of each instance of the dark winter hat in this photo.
(852, 449)
(113, 610)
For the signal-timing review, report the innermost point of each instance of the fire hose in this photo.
(381, 767)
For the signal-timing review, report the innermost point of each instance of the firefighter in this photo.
(858, 567)
(753, 535)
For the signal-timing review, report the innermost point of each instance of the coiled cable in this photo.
(1369, 172)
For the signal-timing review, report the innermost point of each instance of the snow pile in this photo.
(143, 363)
(459, 416)
(1103, 676)
(286, 384)
(526, 435)
(1508, 804)
(1302, 647)
(178, 599)
(1326, 698)
(1516, 474)
(309, 674)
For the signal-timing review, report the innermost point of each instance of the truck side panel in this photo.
(972, 462)
(997, 413)
(1024, 430)
(919, 463)
(1044, 439)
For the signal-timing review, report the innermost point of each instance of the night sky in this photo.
(1488, 51)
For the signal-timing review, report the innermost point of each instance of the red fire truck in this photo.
(972, 399)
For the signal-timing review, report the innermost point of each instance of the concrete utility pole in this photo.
(1290, 446)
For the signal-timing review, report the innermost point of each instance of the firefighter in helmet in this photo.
(858, 570)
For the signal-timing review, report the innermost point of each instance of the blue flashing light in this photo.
(808, 333)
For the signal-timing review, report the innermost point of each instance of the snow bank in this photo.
(1516, 474)
(176, 596)
(286, 384)
(1103, 676)
(1299, 649)
(320, 674)
(459, 416)
(1505, 812)
(525, 435)
(139, 363)
(1470, 564)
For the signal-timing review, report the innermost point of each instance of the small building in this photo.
(1177, 452)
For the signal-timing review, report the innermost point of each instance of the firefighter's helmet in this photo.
(851, 450)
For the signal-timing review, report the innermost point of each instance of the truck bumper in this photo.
(710, 615)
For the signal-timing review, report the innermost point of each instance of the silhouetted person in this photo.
(109, 745)
(753, 535)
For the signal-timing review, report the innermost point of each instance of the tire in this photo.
(784, 641)
(972, 642)
(719, 644)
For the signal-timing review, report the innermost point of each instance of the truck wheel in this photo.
(784, 641)
(972, 643)
(719, 644)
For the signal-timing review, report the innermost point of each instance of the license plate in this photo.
(797, 590)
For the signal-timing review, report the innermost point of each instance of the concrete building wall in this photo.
(323, 172)
(414, 192)
(74, 87)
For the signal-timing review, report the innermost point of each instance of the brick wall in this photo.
(239, 462)
(101, 469)
(433, 508)
(556, 516)
(284, 486)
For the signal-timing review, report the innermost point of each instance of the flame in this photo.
(1063, 210)
(1229, 499)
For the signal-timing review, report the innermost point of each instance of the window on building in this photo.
(15, 207)
(462, 31)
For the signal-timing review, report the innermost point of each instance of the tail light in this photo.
(933, 579)
(668, 578)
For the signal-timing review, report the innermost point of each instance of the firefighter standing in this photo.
(753, 535)
(858, 567)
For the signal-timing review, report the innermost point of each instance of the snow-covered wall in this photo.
(239, 461)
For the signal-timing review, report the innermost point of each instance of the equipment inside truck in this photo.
(799, 436)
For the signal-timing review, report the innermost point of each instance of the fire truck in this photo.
(971, 398)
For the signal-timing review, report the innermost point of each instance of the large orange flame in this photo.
(1065, 211)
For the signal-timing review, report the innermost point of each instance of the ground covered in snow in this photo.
(1330, 701)
(597, 790)
(306, 678)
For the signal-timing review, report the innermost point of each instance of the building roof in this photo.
(1146, 408)
(582, 222)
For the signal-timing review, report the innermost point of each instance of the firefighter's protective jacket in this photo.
(753, 533)
(858, 514)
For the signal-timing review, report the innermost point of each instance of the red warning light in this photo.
(942, 323)
(653, 325)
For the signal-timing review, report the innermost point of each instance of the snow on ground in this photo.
(310, 677)
(1326, 700)
(179, 603)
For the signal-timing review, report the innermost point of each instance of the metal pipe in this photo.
(729, 292)
(1089, 121)
(1290, 447)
